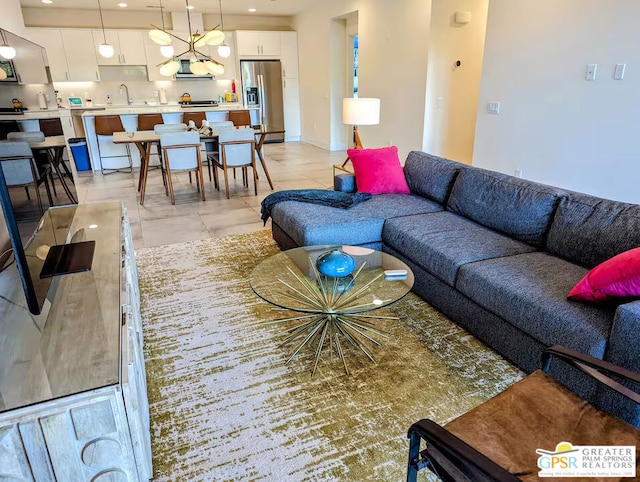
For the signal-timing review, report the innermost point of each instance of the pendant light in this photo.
(162, 38)
(6, 50)
(200, 63)
(223, 49)
(105, 49)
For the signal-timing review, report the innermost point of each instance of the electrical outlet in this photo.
(518, 173)
(390, 143)
(493, 107)
(591, 72)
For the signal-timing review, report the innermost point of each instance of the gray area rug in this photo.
(224, 406)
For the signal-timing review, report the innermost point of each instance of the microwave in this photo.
(184, 73)
(7, 66)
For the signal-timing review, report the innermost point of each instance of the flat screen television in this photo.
(46, 253)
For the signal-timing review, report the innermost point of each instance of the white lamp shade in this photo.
(166, 51)
(361, 111)
(198, 68)
(3, 74)
(160, 37)
(224, 50)
(215, 69)
(214, 37)
(106, 50)
(7, 51)
(169, 68)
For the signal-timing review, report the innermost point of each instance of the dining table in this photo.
(54, 147)
(144, 140)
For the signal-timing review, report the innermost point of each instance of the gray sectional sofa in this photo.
(498, 255)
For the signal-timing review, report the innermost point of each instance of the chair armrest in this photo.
(594, 367)
(465, 458)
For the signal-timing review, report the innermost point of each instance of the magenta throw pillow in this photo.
(618, 277)
(378, 171)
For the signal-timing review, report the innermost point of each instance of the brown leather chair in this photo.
(106, 125)
(51, 127)
(147, 122)
(239, 117)
(196, 117)
(504, 438)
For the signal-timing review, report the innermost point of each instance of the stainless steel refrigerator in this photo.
(262, 86)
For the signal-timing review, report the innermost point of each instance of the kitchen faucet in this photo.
(129, 99)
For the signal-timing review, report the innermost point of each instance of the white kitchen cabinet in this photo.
(81, 56)
(128, 47)
(153, 59)
(252, 43)
(230, 62)
(289, 54)
(29, 63)
(51, 40)
(291, 100)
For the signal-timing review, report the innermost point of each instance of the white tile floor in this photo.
(292, 165)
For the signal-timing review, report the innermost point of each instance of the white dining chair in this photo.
(211, 145)
(236, 149)
(181, 152)
(164, 128)
(19, 166)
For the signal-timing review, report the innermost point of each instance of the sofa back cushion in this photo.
(516, 207)
(589, 230)
(430, 176)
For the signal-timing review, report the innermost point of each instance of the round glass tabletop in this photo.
(290, 280)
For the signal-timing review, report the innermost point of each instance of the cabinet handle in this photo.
(123, 59)
(97, 75)
(66, 75)
(284, 73)
(19, 79)
(285, 83)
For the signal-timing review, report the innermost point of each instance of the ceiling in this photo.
(263, 7)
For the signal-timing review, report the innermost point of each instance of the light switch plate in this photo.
(618, 73)
(591, 72)
(493, 107)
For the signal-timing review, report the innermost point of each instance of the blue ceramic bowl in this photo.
(335, 264)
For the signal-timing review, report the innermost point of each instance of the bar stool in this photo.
(51, 127)
(106, 125)
(239, 117)
(147, 122)
(196, 117)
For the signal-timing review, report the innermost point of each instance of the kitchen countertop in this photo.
(32, 115)
(153, 109)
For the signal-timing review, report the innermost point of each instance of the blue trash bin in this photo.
(80, 153)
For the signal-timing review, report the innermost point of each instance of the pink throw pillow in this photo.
(378, 171)
(618, 277)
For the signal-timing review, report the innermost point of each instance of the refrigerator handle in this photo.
(263, 106)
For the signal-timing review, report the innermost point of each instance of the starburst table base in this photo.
(332, 313)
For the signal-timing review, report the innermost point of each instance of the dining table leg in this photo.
(55, 155)
(261, 139)
(145, 153)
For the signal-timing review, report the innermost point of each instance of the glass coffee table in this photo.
(331, 311)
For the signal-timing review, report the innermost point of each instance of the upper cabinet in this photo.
(253, 43)
(29, 61)
(128, 46)
(230, 62)
(70, 52)
(153, 59)
(289, 54)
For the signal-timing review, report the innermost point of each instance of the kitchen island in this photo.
(171, 113)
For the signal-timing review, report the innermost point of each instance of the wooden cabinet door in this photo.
(248, 42)
(29, 64)
(112, 39)
(270, 44)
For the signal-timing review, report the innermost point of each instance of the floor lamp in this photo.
(359, 111)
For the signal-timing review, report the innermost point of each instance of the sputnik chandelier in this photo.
(200, 64)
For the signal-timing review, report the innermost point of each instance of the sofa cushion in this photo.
(378, 171)
(589, 230)
(516, 207)
(530, 292)
(431, 176)
(311, 224)
(442, 242)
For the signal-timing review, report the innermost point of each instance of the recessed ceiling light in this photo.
(191, 7)
(47, 1)
(122, 5)
(252, 9)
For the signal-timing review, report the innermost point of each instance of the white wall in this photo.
(452, 92)
(393, 43)
(554, 125)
